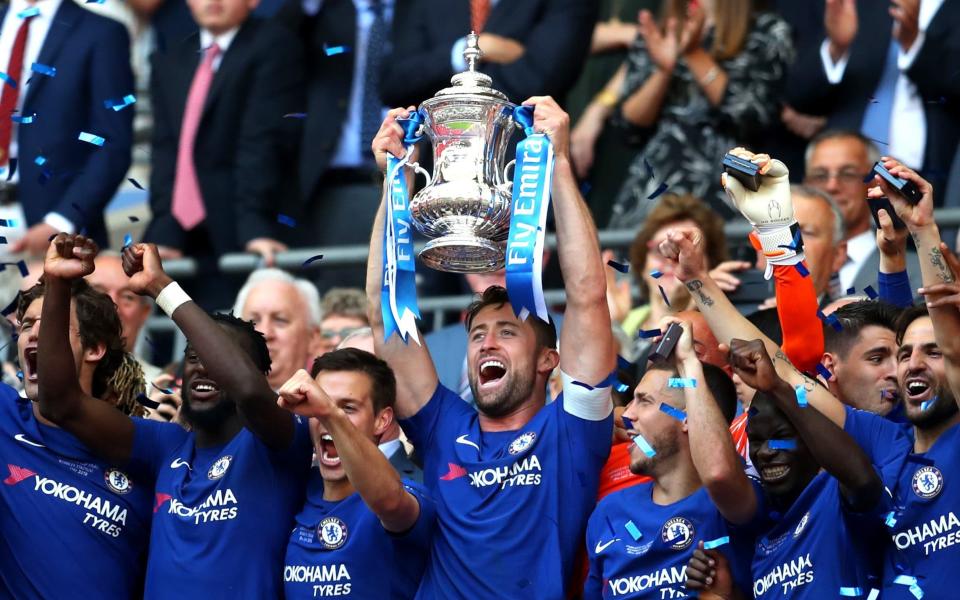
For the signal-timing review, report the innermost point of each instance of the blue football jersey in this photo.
(512, 505)
(639, 549)
(71, 526)
(924, 523)
(341, 550)
(221, 515)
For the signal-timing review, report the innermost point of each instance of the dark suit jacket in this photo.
(406, 467)
(92, 57)
(243, 147)
(868, 273)
(555, 33)
(844, 104)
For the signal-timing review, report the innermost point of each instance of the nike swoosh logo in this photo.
(22, 438)
(601, 547)
(463, 440)
(180, 463)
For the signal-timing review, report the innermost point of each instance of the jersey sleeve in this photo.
(422, 427)
(153, 443)
(418, 538)
(302, 444)
(895, 288)
(587, 414)
(797, 311)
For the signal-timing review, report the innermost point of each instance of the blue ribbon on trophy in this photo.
(398, 296)
(532, 178)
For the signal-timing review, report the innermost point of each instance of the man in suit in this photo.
(836, 162)
(884, 69)
(346, 43)
(531, 48)
(220, 139)
(66, 70)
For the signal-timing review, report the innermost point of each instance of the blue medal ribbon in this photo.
(532, 179)
(398, 296)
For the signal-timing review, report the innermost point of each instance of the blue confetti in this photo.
(656, 274)
(802, 269)
(135, 183)
(649, 168)
(627, 423)
(676, 413)
(891, 519)
(29, 12)
(664, 295)
(120, 103)
(633, 530)
(787, 444)
(657, 192)
(90, 138)
(45, 176)
(623, 363)
(870, 292)
(311, 260)
(623, 268)
(40, 160)
(13, 168)
(801, 395)
(146, 402)
(642, 443)
(649, 333)
(681, 382)
(295, 116)
(127, 240)
(927, 403)
(910, 582)
(334, 50)
(8, 80)
(582, 384)
(20, 375)
(622, 387)
(21, 265)
(8, 223)
(824, 372)
(25, 120)
(166, 391)
(3, 240)
(710, 545)
(12, 306)
(133, 219)
(43, 69)
(851, 592)
(285, 220)
(851, 291)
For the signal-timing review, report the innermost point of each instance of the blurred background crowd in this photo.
(235, 135)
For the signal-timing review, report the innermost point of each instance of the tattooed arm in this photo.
(940, 287)
(686, 247)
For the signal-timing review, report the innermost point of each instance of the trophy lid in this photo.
(472, 81)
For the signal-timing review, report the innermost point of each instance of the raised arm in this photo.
(686, 246)
(61, 397)
(893, 280)
(833, 448)
(940, 286)
(227, 363)
(711, 446)
(368, 470)
(650, 68)
(586, 339)
(411, 362)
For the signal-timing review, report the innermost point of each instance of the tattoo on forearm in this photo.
(696, 287)
(943, 271)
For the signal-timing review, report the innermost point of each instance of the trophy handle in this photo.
(509, 167)
(416, 165)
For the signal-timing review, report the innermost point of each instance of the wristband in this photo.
(606, 98)
(171, 298)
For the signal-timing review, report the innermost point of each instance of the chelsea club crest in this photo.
(117, 481)
(927, 482)
(219, 468)
(678, 533)
(522, 443)
(332, 533)
(801, 525)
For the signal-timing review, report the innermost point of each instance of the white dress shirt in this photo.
(389, 448)
(908, 125)
(859, 249)
(223, 40)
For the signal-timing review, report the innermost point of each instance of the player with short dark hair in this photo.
(71, 523)
(514, 480)
(860, 354)
(226, 491)
(363, 532)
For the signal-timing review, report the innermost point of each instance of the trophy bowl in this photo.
(465, 206)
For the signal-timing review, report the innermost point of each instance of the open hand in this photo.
(70, 257)
(142, 264)
(749, 360)
(723, 274)
(663, 48)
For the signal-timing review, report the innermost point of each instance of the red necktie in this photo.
(187, 204)
(479, 11)
(8, 100)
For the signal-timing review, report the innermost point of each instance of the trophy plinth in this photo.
(465, 207)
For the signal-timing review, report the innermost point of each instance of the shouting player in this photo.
(514, 480)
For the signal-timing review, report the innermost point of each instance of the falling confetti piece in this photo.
(127, 240)
(664, 294)
(649, 168)
(623, 268)
(40, 160)
(8, 223)
(121, 103)
(656, 274)
(43, 69)
(851, 291)
(676, 413)
(681, 382)
(801, 393)
(29, 12)
(649, 333)
(716, 543)
(927, 403)
(627, 423)
(870, 292)
(8, 80)
(23, 119)
(166, 391)
(311, 260)
(802, 269)
(334, 50)
(13, 168)
(657, 192)
(644, 445)
(851, 592)
(295, 116)
(133, 218)
(90, 138)
(135, 183)
(823, 371)
(633, 530)
(782, 444)
(146, 402)
(285, 220)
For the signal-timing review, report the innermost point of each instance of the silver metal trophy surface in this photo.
(465, 206)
